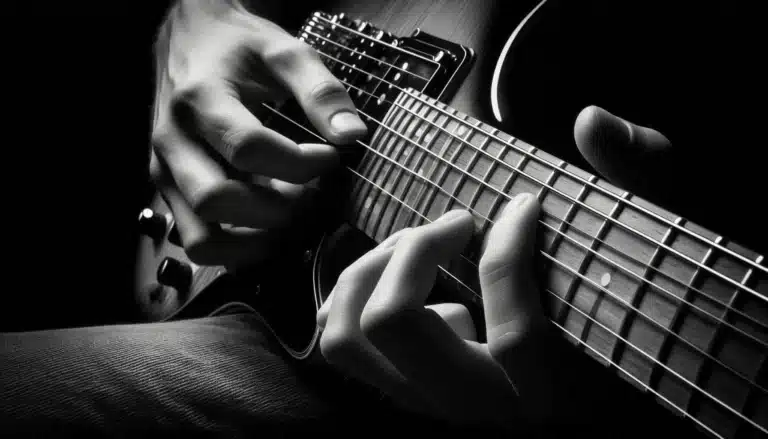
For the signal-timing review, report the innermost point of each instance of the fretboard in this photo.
(677, 310)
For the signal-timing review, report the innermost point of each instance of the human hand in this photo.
(212, 159)
(377, 329)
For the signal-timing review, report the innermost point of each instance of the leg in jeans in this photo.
(222, 375)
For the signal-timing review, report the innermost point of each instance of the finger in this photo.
(207, 243)
(342, 342)
(515, 322)
(322, 97)
(634, 157)
(460, 381)
(208, 190)
(322, 313)
(216, 113)
(457, 317)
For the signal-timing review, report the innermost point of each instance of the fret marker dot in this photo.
(461, 129)
(343, 68)
(397, 76)
(359, 92)
(381, 98)
(605, 279)
(405, 66)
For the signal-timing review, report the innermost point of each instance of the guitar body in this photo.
(533, 67)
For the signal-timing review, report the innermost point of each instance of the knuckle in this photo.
(348, 278)
(373, 322)
(328, 90)
(233, 142)
(162, 138)
(288, 54)
(419, 244)
(185, 99)
(493, 263)
(337, 344)
(512, 344)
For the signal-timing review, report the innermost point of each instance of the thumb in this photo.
(636, 158)
(320, 94)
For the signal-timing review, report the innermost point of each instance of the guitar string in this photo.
(375, 41)
(594, 252)
(594, 320)
(590, 236)
(683, 411)
(544, 184)
(354, 51)
(619, 198)
(583, 278)
(617, 265)
(740, 286)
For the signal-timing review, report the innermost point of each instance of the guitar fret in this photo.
(430, 137)
(668, 309)
(473, 201)
(392, 144)
(424, 191)
(462, 147)
(588, 258)
(675, 325)
(453, 193)
(557, 240)
(386, 143)
(406, 153)
(638, 296)
(751, 403)
(380, 231)
(444, 169)
(367, 163)
(500, 199)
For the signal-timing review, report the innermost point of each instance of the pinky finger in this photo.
(206, 243)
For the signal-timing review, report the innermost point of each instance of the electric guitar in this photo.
(676, 310)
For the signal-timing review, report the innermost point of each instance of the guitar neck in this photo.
(677, 310)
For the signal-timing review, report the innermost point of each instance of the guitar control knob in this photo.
(174, 273)
(152, 224)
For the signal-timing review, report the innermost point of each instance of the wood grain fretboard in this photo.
(655, 296)
(679, 311)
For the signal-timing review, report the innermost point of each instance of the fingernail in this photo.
(347, 123)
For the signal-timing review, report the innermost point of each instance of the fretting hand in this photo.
(212, 159)
(377, 328)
